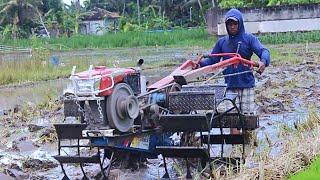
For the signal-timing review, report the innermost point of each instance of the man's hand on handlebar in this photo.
(261, 67)
(197, 61)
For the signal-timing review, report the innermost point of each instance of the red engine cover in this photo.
(118, 75)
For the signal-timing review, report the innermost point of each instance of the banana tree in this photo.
(74, 12)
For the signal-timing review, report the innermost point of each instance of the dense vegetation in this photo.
(23, 18)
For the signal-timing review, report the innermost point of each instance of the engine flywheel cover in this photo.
(122, 107)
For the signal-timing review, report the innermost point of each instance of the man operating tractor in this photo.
(239, 79)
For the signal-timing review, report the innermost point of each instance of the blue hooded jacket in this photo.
(249, 44)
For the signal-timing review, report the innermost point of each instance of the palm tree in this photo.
(21, 12)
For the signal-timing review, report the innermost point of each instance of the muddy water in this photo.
(13, 96)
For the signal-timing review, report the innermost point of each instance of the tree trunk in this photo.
(76, 24)
(42, 23)
(124, 8)
(200, 5)
(138, 5)
(214, 3)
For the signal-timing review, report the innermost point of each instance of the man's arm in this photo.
(262, 52)
(212, 60)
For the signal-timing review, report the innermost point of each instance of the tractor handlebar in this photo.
(237, 59)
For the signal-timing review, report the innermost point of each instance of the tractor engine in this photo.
(113, 98)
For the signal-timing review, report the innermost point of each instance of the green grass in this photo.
(12, 72)
(181, 37)
(290, 37)
(39, 68)
(311, 173)
(129, 39)
(30, 70)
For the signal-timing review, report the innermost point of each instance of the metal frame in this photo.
(74, 132)
(193, 123)
(231, 98)
(203, 123)
(93, 92)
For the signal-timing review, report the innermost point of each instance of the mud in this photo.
(289, 88)
(14, 96)
(284, 93)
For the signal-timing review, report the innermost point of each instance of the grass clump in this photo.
(298, 147)
(312, 172)
(312, 122)
(19, 72)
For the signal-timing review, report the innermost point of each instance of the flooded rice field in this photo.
(17, 95)
(285, 93)
(13, 96)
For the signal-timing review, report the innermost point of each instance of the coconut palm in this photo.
(21, 12)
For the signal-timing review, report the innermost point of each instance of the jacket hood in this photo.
(235, 13)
